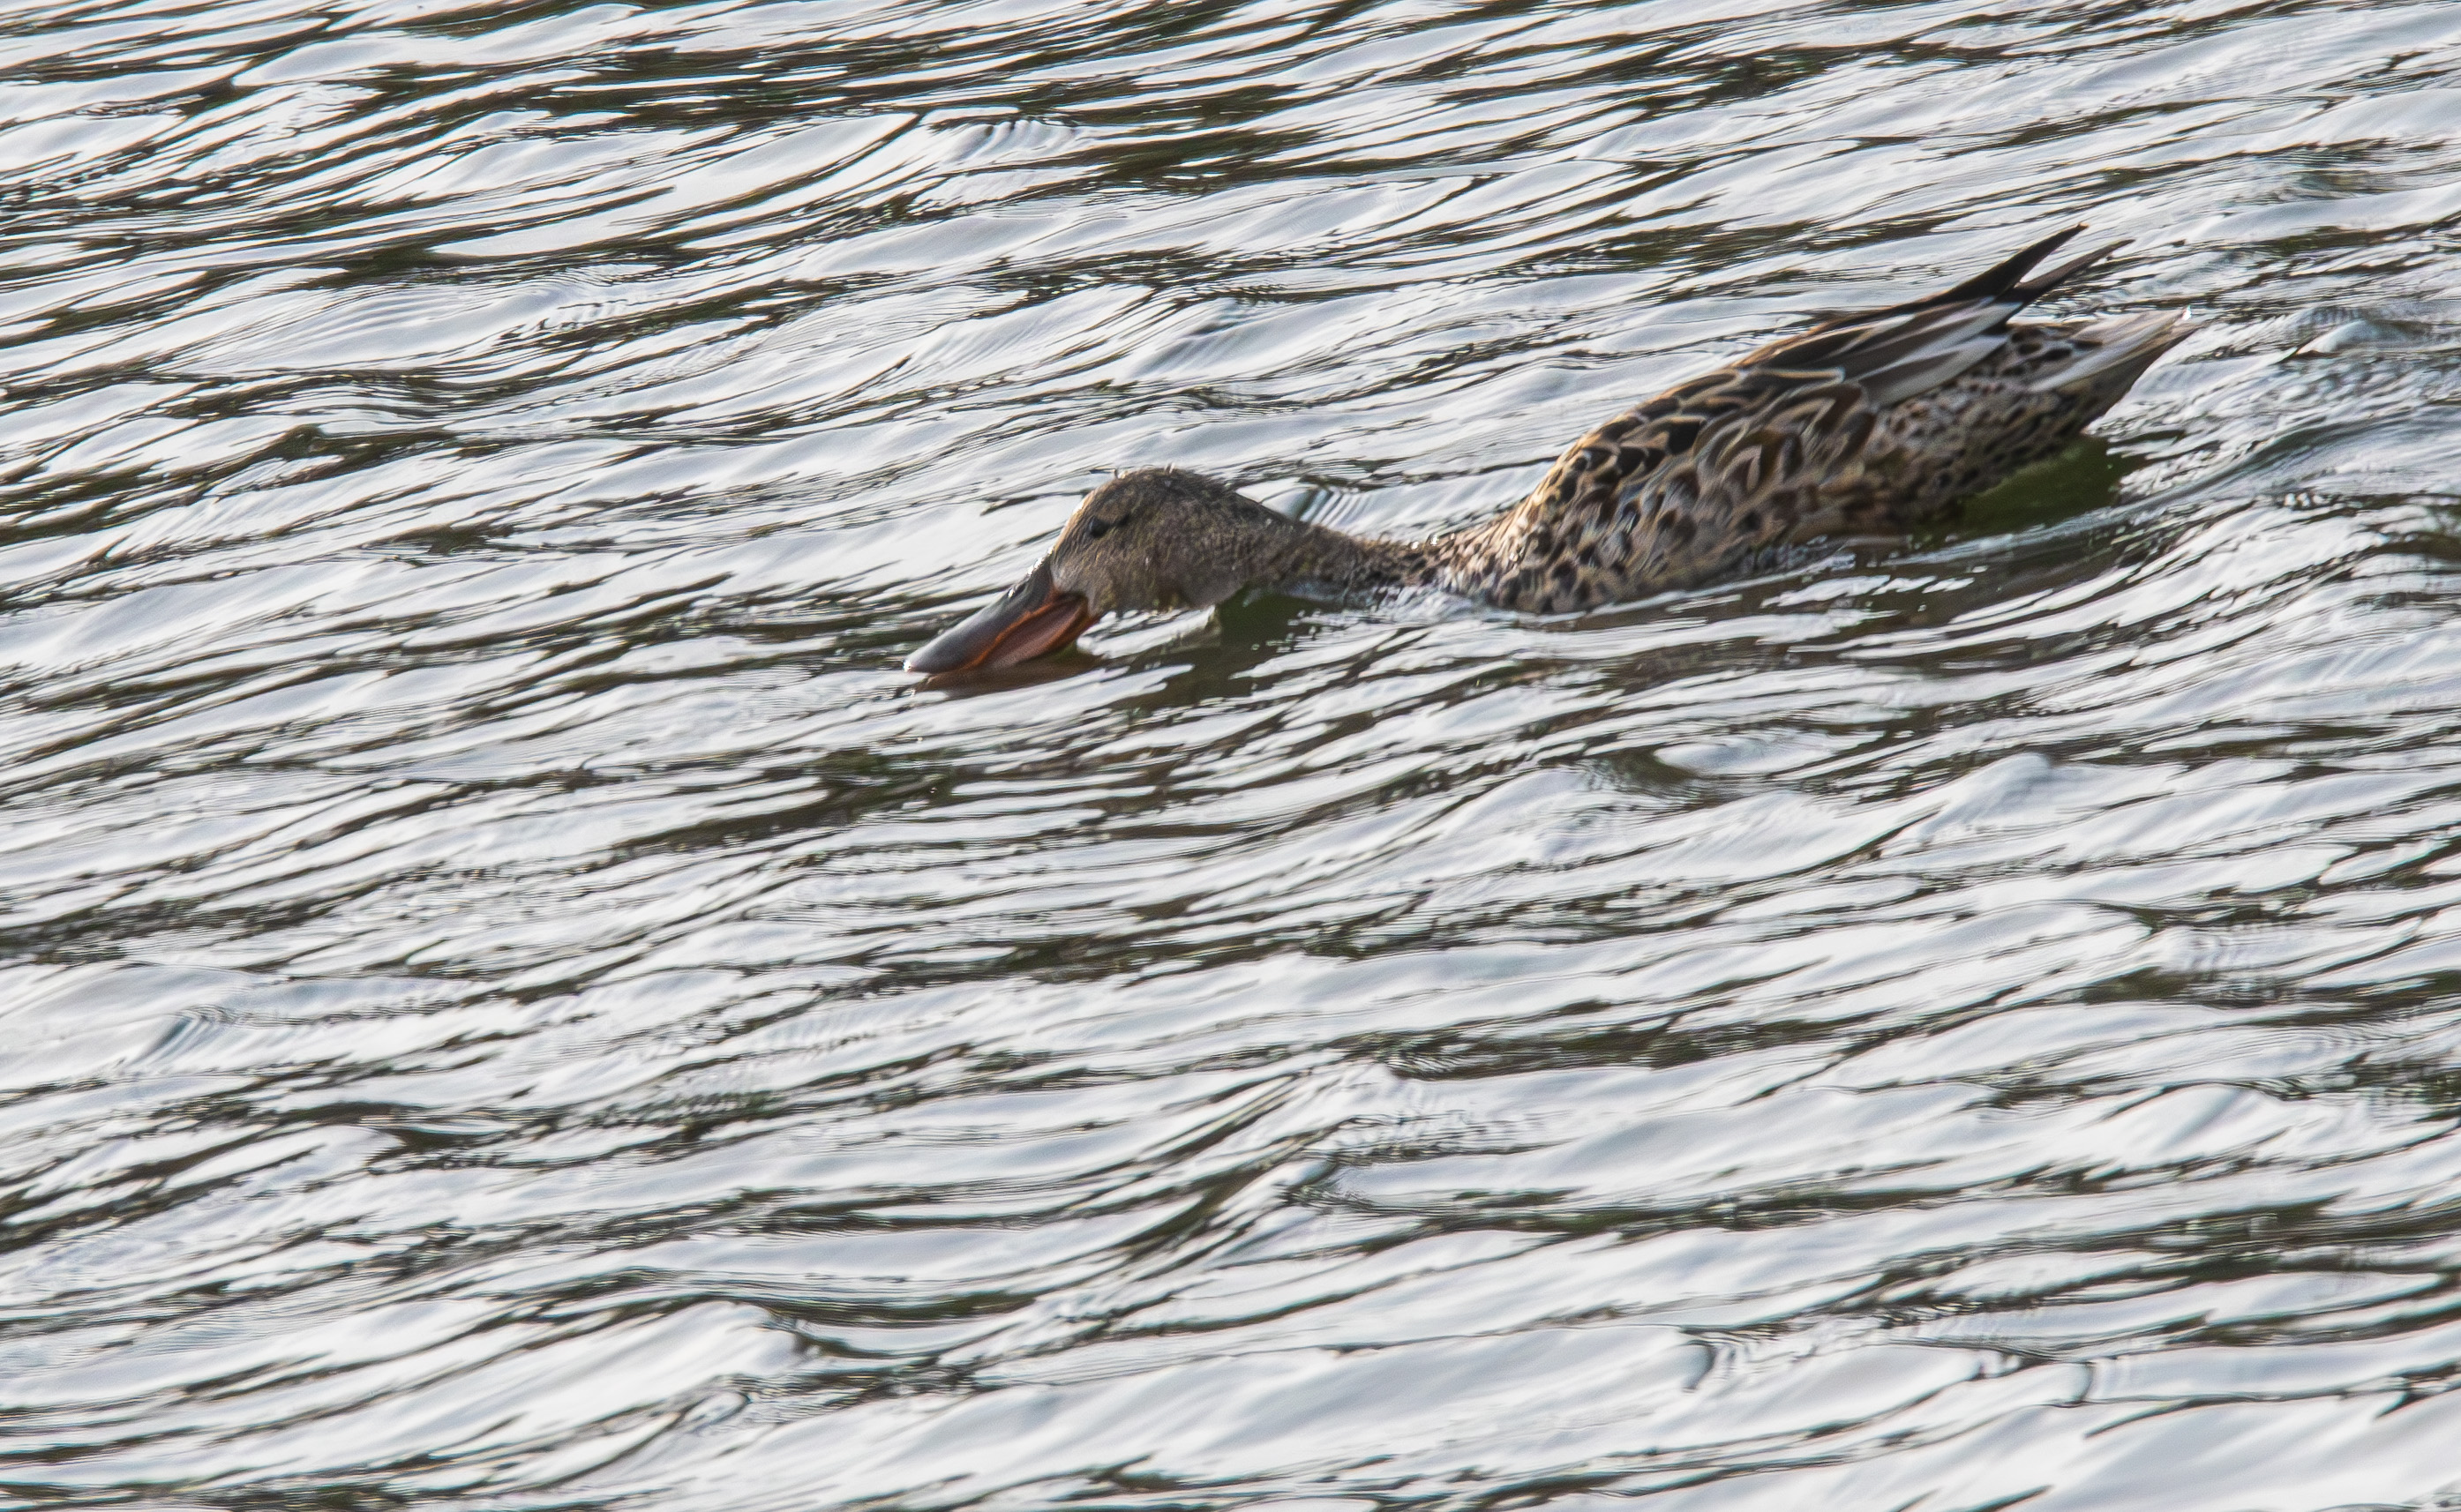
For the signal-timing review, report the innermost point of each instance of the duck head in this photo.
(1154, 538)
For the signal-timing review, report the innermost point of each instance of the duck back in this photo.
(1865, 424)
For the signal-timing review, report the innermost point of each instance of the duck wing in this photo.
(1805, 437)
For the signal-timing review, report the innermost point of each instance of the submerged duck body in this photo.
(1865, 424)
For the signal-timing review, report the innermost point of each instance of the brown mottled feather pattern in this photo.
(1863, 424)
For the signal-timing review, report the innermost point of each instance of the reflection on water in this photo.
(511, 1000)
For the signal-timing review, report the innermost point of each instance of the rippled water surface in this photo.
(511, 1000)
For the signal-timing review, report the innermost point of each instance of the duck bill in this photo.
(1032, 619)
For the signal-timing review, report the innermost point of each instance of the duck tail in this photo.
(2034, 288)
(2110, 355)
(2005, 285)
(2004, 282)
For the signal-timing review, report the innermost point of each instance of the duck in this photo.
(1865, 423)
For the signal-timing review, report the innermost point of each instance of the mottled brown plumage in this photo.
(1864, 424)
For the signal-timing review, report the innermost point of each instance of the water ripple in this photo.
(513, 1001)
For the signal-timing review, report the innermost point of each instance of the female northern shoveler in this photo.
(1866, 423)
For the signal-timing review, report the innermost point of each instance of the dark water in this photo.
(512, 1001)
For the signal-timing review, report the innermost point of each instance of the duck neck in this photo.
(1322, 561)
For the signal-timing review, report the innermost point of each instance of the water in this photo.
(513, 1001)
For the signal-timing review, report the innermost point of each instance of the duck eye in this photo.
(1098, 529)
